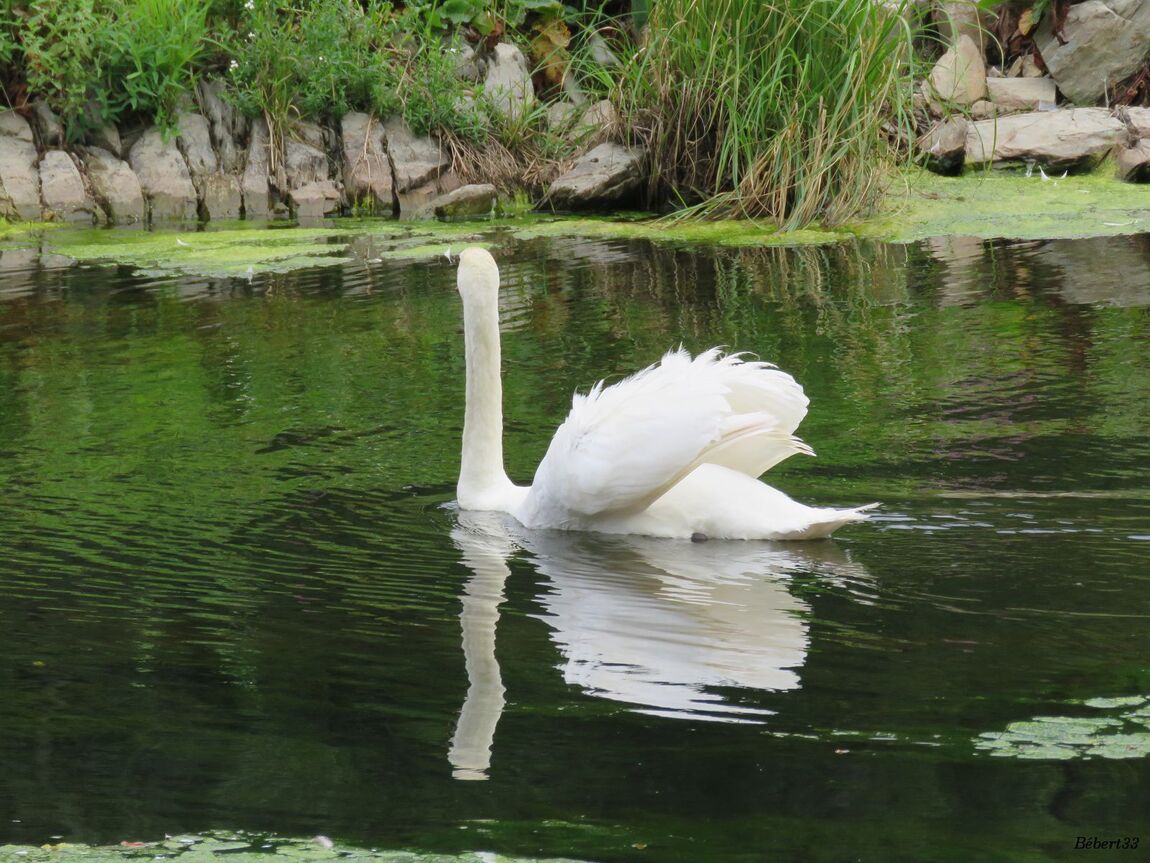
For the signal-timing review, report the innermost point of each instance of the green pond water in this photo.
(234, 594)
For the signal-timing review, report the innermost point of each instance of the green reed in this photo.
(778, 109)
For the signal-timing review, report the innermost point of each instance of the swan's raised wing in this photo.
(623, 446)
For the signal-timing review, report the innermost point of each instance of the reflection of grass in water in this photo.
(1122, 733)
(236, 848)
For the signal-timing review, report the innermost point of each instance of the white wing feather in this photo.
(623, 446)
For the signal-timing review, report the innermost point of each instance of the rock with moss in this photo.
(164, 178)
(1059, 140)
(315, 200)
(19, 179)
(1133, 163)
(605, 176)
(66, 198)
(115, 186)
(473, 201)
(366, 170)
(943, 147)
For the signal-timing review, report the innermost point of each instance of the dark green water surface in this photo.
(232, 597)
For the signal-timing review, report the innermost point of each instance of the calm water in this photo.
(232, 596)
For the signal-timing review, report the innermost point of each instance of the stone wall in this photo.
(218, 165)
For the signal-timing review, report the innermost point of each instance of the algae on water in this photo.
(917, 205)
(1123, 732)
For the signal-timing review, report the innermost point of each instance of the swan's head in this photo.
(478, 276)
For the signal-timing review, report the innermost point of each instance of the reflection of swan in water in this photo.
(656, 624)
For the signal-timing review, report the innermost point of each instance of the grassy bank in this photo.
(769, 110)
(772, 111)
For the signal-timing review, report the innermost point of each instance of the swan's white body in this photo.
(673, 451)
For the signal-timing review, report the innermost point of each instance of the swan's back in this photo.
(624, 446)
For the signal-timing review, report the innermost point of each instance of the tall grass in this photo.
(772, 109)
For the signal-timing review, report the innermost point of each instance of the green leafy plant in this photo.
(158, 44)
(320, 59)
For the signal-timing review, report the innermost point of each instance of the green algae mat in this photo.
(916, 206)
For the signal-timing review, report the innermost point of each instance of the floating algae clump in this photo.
(1122, 732)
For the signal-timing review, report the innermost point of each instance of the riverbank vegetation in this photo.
(773, 111)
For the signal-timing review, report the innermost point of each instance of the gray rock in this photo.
(605, 175)
(1058, 140)
(366, 169)
(572, 91)
(219, 193)
(19, 179)
(304, 165)
(254, 184)
(419, 166)
(598, 123)
(560, 115)
(1024, 67)
(1134, 163)
(164, 178)
(115, 186)
(508, 83)
(468, 66)
(959, 76)
(601, 52)
(957, 19)
(13, 125)
(1138, 120)
(466, 202)
(944, 147)
(221, 196)
(62, 186)
(48, 125)
(1106, 41)
(107, 137)
(315, 200)
(195, 142)
(1021, 94)
(228, 125)
(311, 134)
(983, 110)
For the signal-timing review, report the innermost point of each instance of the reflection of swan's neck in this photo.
(481, 474)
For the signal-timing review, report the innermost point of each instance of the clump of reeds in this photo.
(773, 109)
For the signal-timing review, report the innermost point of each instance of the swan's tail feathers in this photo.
(827, 521)
(752, 444)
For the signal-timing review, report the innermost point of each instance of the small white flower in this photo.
(234, 65)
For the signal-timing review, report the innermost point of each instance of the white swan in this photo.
(672, 451)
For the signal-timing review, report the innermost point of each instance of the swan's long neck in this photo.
(482, 478)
